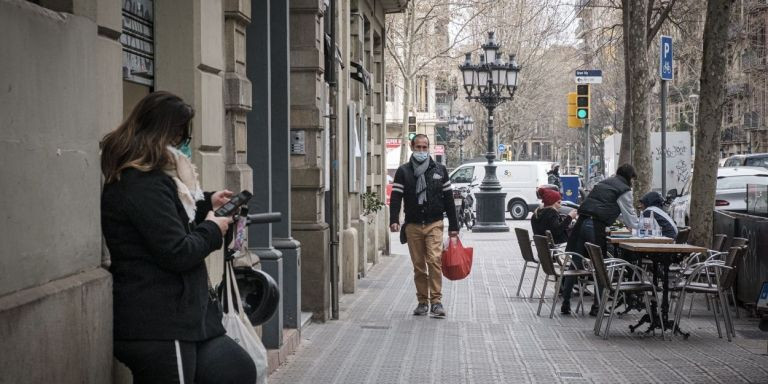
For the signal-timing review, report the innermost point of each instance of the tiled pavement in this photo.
(492, 336)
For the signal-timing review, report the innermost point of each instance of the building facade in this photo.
(289, 101)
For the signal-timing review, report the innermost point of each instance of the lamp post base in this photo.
(490, 212)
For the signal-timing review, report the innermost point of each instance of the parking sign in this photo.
(665, 58)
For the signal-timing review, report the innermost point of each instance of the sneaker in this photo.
(593, 311)
(437, 310)
(421, 309)
(565, 308)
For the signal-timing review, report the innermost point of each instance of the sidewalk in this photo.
(492, 336)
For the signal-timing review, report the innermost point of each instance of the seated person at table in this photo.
(652, 202)
(547, 217)
(609, 200)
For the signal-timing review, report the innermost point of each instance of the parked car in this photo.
(751, 160)
(518, 179)
(730, 193)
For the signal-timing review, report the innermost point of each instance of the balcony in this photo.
(757, 5)
(733, 135)
(737, 89)
(753, 61)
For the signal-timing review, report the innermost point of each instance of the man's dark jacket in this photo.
(439, 196)
(160, 280)
(601, 203)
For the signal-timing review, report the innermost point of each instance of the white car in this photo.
(730, 193)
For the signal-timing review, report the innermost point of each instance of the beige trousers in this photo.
(425, 243)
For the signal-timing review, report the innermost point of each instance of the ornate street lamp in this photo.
(462, 127)
(490, 82)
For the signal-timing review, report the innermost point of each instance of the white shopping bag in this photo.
(239, 328)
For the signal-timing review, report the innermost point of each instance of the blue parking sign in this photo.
(665, 58)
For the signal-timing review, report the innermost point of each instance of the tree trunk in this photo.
(636, 32)
(625, 152)
(406, 110)
(712, 83)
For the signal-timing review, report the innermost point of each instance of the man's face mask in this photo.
(421, 156)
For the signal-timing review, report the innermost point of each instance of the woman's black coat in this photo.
(157, 260)
(548, 219)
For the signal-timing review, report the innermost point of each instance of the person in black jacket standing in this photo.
(547, 217)
(159, 227)
(426, 189)
(608, 200)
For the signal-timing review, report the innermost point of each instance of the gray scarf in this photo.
(421, 184)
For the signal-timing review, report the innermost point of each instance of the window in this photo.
(732, 162)
(442, 98)
(737, 182)
(463, 175)
(389, 91)
(757, 162)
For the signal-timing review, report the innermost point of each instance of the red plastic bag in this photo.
(457, 260)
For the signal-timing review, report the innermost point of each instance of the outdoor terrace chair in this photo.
(718, 242)
(557, 274)
(612, 277)
(738, 242)
(720, 278)
(708, 274)
(524, 241)
(682, 235)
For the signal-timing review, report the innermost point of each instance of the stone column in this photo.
(307, 178)
(55, 297)
(281, 166)
(259, 148)
(357, 96)
(237, 95)
(189, 62)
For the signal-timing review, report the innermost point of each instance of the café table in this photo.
(662, 255)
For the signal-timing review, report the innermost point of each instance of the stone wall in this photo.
(60, 92)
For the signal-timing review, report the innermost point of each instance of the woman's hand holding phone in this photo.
(220, 198)
(222, 222)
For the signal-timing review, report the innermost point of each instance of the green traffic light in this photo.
(582, 114)
(411, 135)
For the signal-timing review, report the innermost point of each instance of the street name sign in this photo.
(666, 64)
(589, 76)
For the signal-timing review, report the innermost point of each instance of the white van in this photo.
(518, 179)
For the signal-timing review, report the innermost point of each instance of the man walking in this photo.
(426, 189)
(608, 200)
(553, 176)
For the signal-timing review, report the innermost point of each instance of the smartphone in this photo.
(233, 204)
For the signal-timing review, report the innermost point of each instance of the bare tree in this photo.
(713, 81)
(427, 30)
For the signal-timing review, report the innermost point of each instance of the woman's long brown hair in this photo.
(160, 119)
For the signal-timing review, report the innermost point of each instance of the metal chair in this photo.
(720, 279)
(738, 242)
(718, 242)
(682, 235)
(548, 266)
(618, 270)
(524, 241)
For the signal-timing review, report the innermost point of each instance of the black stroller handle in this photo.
(264, 218)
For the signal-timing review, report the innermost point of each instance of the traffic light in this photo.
(411, 136)
(573, 121)
(582, 101)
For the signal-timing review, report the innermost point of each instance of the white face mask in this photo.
(420, 156)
